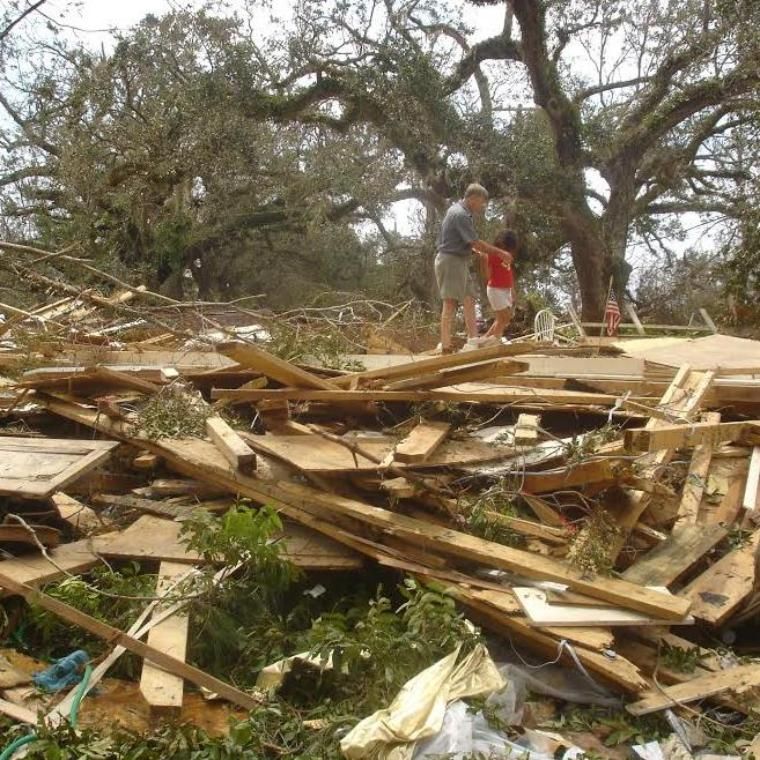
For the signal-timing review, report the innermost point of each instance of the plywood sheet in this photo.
(711, 352)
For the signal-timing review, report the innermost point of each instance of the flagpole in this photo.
(601, 330)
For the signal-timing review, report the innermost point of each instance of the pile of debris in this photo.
(575, 503)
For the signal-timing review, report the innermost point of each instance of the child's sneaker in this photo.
(473, 344)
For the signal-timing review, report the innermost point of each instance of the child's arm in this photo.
(480, 246)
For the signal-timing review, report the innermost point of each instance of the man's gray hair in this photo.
(475, 189)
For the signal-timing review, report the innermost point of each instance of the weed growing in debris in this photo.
(328, 346)
(590, 550)
(173, 412)
(47, 637)
(484, 514)
(680, 659)
(613, 726)
(583, 447)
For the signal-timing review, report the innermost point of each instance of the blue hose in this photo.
(17, 744)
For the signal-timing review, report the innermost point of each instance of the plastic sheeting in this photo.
(419, 709)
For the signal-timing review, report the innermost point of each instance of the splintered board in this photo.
(421, 442)
(543, 613)
(159, 539)
(311, 453)
(38, 467)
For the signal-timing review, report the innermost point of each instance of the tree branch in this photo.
(5, 32)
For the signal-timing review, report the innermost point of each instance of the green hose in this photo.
(11, 749)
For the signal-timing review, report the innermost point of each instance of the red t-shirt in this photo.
(499, 273)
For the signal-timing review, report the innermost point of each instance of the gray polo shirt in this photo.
(457, 231)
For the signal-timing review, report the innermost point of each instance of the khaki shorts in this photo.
(453, 276)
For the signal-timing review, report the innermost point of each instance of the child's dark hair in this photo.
(506, 240)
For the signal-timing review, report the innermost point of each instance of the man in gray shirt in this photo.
(457, 241)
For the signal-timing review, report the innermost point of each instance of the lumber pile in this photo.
(555, 496)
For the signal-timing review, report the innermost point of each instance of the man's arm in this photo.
(484, 267)
(480, 246)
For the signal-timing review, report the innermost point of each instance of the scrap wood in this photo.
(146, 462)
(540, 612)
(272, 366)
(152, 506)
(544, 511)
(37, 467)
(415, 369)
(672, 559)
(75, 513)
(738, 680)
(751, 500)
(556, 400)
(29, 534)
(526, 430)
(234, 449)
(615, 671)
(604, 470)
(690, 435)
(722, 497)
(696, 479)
(719, 591)
(111, 634)
(163, 487)
(445, 378)
(684, 395)
(163, 691)
(421, 442)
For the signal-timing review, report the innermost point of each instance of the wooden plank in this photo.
(146, 462)
(434, 364)
(76, 514)
(557, 400)
(76, 557)
(696, 479)
(751, 500)
(737, 680)
(576, 321)
(155, 538)
(124, 380)
(423, 440)
(15, 533)
(684, 396)
(719, 592)
(541, 613)
(164, 691)
(202, 459)
(234, 449)
(672, 559)
(115, 636)
(635, 318)
(18, 713)
(311, 453)
(163, 487)
(526, 429)
(272, 366)
(606, 470)
(685, 436)
(36, 468)
(446, 378)
(708, 321)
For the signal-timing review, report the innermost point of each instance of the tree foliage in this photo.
(270, 161)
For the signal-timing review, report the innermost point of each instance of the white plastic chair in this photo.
(543, 326)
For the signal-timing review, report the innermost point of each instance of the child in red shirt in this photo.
(497, 270)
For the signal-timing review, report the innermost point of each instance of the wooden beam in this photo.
(556, 400)
(272, 366)
(235, 450)
(123, 380)
(115, 636)
(446, 378)
(685, 436)
(708, 321)
(76, 514)
(635, 318)
(673, 558)
(423, 440)
(146, 462)
(721, 590)
(434, 364)
(696, 479)
(526, 429)
(751, 500)
(738, 679)
(576, 321)
(198, 457)
(164, 691)
(606, 470)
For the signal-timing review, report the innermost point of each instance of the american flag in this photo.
(612, 314)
